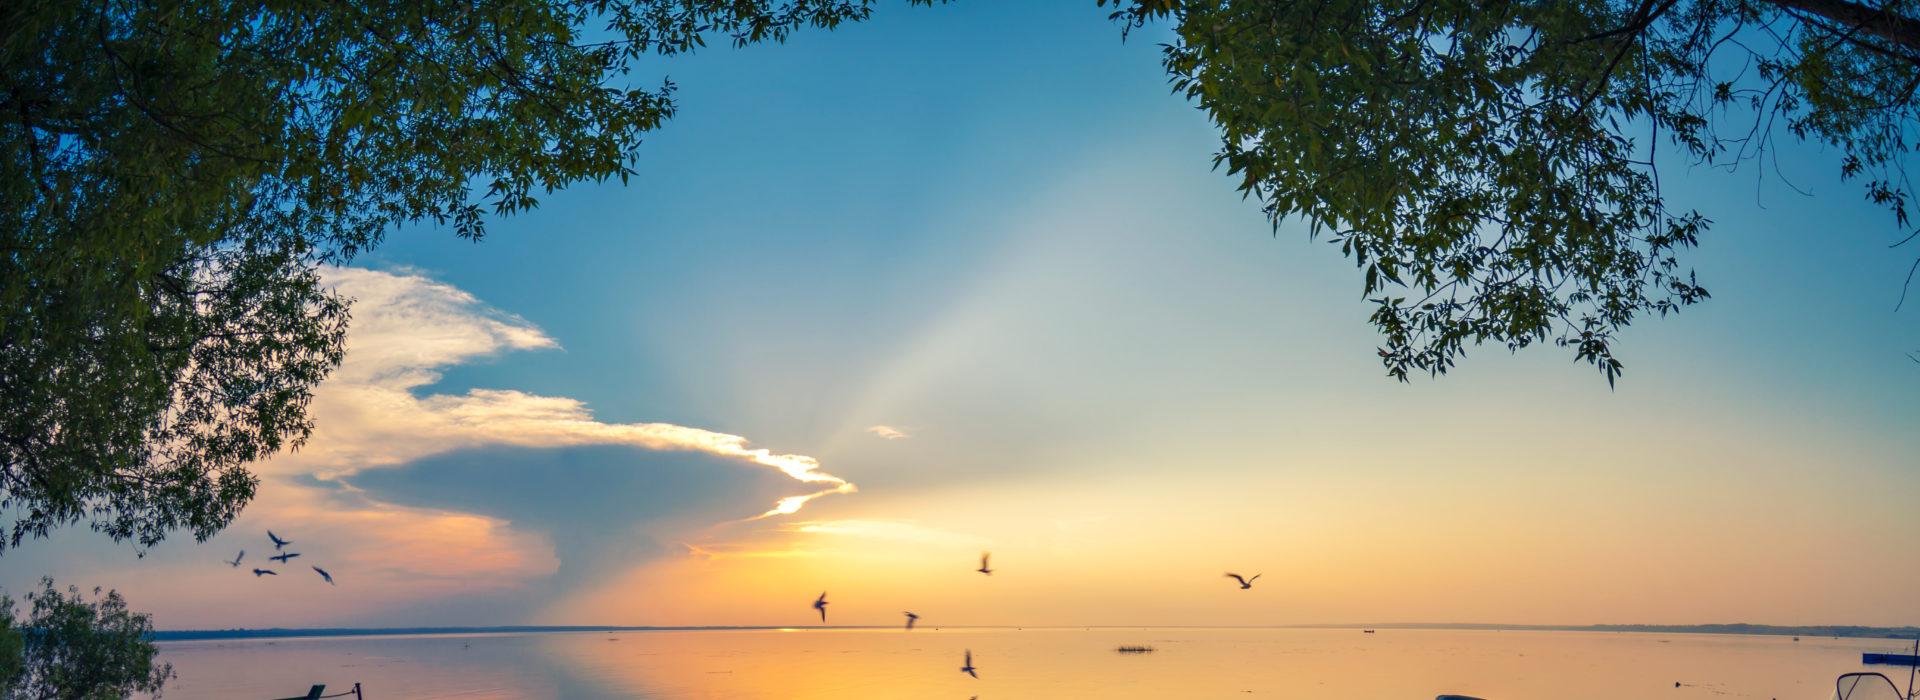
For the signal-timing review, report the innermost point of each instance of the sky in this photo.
(963, 279)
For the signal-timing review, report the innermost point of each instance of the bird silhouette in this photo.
(282, 558)
(236, 559)
(969, 669)
(1245, 583)
(912, 618)
(984, 556)
(821, 605)
(263, 572)
(277, 542)
(323, 574)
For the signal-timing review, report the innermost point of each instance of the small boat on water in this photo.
(1366, 631)
(316, 692)
(1877, 686)
(1866, 686)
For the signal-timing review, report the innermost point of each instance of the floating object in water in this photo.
(988, 570)
(1366, 631)
(1456, 697)
(1890, 659)
(315, 692)
(1134, 650)
(1862, 686)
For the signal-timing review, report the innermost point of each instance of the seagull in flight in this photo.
(257, 573)
(1245, 583)
(236, 559)
(323, 574)
(912, 618)
(969, 669)
(984, 556)
(277, 542)
(821, 605)
(282, 558)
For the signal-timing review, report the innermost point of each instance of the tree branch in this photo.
(1883, 23)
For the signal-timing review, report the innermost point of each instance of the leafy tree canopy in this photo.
(1490, 166)
(70, 648)
(172, 173)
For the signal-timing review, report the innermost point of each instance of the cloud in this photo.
(418, 547)
(889, 530)
(407, 328)
(472, 507)
(888, 432)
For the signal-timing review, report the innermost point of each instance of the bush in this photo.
(71, 648)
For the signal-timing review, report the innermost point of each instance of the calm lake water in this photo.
(1030, 663)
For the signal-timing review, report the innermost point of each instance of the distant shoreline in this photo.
(1848, 631)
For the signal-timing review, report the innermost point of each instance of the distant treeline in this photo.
(1733, 628)
(278, 632)
(1736, 628)
(1744, 628)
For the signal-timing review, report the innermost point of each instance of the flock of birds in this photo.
(820, 605)
(279, 545)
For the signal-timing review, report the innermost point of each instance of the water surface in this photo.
(1028, 663)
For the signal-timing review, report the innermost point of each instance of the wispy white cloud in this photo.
(888, 432)
(890, 530)
(792, 504)
(407, 328)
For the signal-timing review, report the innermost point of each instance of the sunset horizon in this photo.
(1562, 350)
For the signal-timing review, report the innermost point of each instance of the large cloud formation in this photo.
(454, 508)
(406, 328)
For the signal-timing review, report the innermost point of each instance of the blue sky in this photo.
(991, 227)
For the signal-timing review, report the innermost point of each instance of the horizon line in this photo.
(1737, 628)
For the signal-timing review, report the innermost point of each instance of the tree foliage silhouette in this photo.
(70, 647)
(176, 171)
(1492, 166)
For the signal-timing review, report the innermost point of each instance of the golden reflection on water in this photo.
(1031, 663)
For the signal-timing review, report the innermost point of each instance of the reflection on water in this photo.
(1030, 663)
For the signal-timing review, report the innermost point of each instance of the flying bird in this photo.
(912, 618)
(277, 542)
(968, 669)
(983, 564)
(821, 605)
(236, 559)
(263, 572)
(1245, 583)
(282, 558)
(323, 574)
